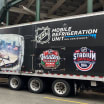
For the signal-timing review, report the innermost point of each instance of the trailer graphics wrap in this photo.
(84, 59)
(11, 52)
(61, 47)
(65, 33)
(50, 59)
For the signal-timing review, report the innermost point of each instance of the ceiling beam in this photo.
(102, 3)
(55, 7)
(13, 2)
(80, 9)
(84, 8)
(32, 13)
(18, 10)
(27, 11)
(30, 2)
(42, 15)
(97, 5)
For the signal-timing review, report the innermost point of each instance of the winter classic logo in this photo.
(84, 59)
(50, 59)
(42, 35)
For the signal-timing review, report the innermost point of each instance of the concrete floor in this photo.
(8, 96)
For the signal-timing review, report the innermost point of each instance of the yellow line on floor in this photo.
(65, 100)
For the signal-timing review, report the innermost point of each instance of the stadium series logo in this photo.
(50, 59)
(84, 59)
(42, 35)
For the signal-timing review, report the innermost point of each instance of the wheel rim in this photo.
(35, 85)
(60, 88)
(14, 83)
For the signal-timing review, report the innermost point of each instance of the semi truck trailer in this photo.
(64, 54)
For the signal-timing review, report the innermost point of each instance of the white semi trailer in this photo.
(64, 54)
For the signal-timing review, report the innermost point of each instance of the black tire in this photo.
(15, 82)
(74, 89)
(36, 85)
(58, 90)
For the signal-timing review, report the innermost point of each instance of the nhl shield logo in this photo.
(42, 35)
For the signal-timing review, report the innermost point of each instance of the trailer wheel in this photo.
(74, 89)
(36, 85)
(15, 82)
(61, 88)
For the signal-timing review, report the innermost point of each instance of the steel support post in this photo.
(13, 2)
(37, 10)
(89, 6)
(7, 18)
(7, 14)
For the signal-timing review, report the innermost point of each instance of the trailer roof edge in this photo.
(56, 19)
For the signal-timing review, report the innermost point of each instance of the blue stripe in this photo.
(72, 36)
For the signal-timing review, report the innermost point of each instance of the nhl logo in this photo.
(84, 58)
(42, 35)
(50, 59)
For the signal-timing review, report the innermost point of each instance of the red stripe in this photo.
(47, 73)
(84, 69)
(100, 76)
(85, 75)
(57, 74)
(52, 73)
(77, 75)
(70, 74)
(92, 76)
